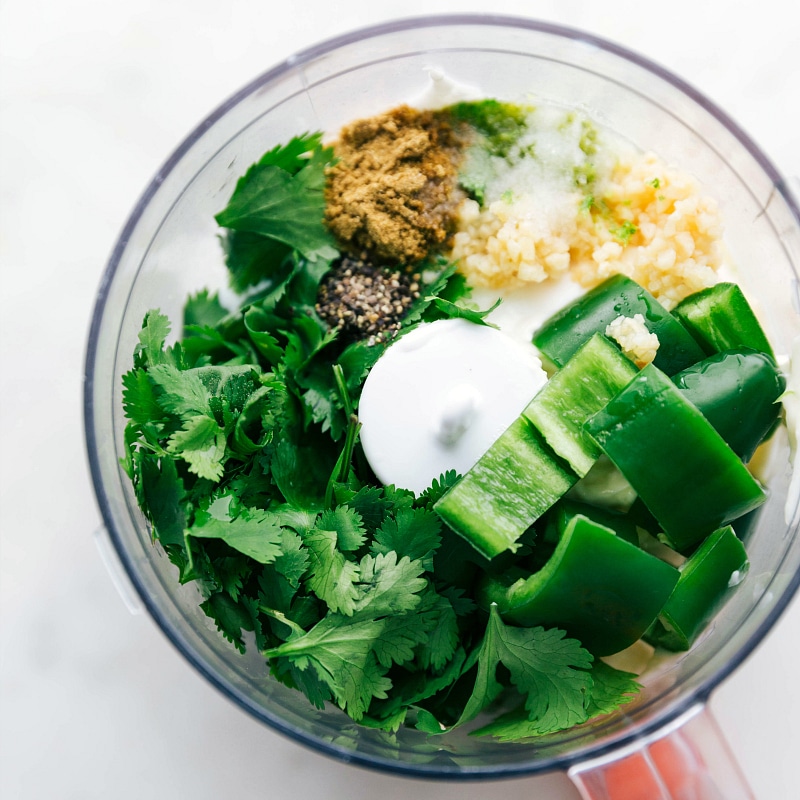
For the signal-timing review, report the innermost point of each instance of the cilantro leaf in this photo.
(252, 258)
(305, 680)
(202, 343)
(399, 637)
(340, 650)
(229, 617)
(300, 473)
(182, 392)
(139, 397)
(232, 572)
(163, 495)
(443, 637)
(291, 157)
(439, 486)
(412, 532)
(203, 309)
(332, 577)
(280, 205)
(258, 324)
(370, 503)
(611, 688)
(347, 523)
(154, 332)
(388, 585)
(252, 532)
(548, 669)
(451, 310)
(201, 444)
(411, 688)
(293, 560)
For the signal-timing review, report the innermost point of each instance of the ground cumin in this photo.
(393, 191)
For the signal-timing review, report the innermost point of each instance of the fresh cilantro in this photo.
(448, 285)
(415, 533)
(285, 205)
(229, 617)
(154, 332)
(164, 495)
(443, 638)
(242, 448)
(388, 585)
(332, 576)
(340, 652)
(250, 532)
(139, 397)
(611, 688)
(347, 524)
(437, 489)
(203, 309)
(548, 669)
(455, 311)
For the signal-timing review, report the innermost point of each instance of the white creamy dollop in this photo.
(440, 396)
(442, 90)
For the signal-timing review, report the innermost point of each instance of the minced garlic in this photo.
(647, 221)
(654, 226)
(636, 341)
(517, 242)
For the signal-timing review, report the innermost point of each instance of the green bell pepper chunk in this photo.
(559, 517)
(602, 590)
(720, 318)
(680, 467)
(561, 335)
(738, 392)
(707, 578)
(594, 374)
(508, 489)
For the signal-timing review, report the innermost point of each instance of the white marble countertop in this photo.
(95, 702)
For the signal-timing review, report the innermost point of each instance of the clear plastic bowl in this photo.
(169, 248)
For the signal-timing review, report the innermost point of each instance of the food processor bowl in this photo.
(169, 248)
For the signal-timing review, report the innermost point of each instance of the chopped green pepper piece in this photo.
(601, 589)
(593, 375)
(561, 335)
(680, 467)
(510, 487)
(720, 318)
(564, 510)
(738, 392)
(715, 568)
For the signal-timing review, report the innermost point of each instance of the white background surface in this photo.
(95, 702)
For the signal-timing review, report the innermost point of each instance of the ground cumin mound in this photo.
(393, 192)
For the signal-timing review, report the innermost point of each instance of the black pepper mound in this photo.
(363, 300)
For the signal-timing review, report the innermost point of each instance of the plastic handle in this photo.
(687, 760)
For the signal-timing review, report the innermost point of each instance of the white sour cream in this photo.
(442, 90)
(440, 396)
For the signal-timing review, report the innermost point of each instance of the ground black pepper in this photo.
(364, 300)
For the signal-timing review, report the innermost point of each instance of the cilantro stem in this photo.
(342, 467)
(280, 617)
(341, 385)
